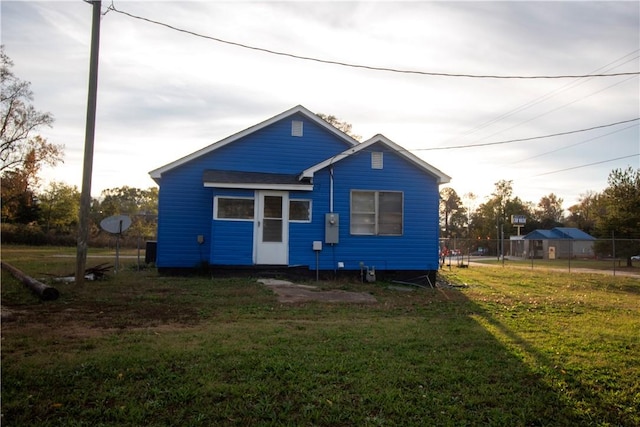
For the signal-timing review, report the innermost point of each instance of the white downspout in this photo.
(331, 189)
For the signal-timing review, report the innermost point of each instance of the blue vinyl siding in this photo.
(186, 206)
(232, 241)
(303, 234)
(416, 249)
(274, 150)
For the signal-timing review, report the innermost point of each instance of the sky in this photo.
(163, 94)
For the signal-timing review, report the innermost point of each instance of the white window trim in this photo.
(215, 208)
(310, 210)
(376, 213)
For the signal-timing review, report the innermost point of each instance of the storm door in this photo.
(271, 228)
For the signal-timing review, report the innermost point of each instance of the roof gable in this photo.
(378, 139)
(156, 174)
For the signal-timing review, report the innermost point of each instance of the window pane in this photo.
(376, 213)
(299, 210)
(363, 224)
(363, 212)
(390, 201)
(272, 230)
(229, 208)
(272, 207)
(363, 201)
(390, 224)
(390, 213)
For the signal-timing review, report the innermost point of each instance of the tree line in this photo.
(611, 214)
(53, 214)
(31, 214)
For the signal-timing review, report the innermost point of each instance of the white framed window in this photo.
(233, 208)
(299, 210)
(376, 213)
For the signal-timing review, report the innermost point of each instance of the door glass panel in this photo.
(273, 207)
(272, 230)
(272, 219)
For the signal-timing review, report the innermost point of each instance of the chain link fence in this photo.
(615, 255)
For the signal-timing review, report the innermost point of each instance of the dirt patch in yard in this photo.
(291, 293)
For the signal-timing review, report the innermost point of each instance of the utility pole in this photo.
(87, 169)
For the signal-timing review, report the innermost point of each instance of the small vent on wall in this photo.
(376, 160)
(296, 128)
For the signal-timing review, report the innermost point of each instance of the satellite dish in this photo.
(115, 224)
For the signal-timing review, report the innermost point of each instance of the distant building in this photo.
(559, 242)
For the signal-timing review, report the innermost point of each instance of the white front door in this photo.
(271, 228)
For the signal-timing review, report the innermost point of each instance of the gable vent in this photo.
(296, 128)
(376, 160)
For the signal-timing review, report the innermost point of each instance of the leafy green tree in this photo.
(493, 217)
(486, 220)
(453, 215)
(501, 197)
(621, 214)
(516, 206)
(549, 212)
(59, 206)
(141, 205)
(583, 214)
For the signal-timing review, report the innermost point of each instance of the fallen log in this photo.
(45, 292)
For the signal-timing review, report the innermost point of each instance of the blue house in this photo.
(294, 191)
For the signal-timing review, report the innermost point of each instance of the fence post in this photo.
(613, 244)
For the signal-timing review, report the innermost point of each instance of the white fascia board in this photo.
(308, 173)
(156, 174)
(442, 177)
(259, 186)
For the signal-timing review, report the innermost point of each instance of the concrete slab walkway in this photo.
(289, 292)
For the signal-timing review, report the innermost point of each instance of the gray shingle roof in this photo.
(213, 177)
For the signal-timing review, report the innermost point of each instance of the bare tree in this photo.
(340, 124)
(19, 120)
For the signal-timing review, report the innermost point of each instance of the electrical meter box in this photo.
(331, 228)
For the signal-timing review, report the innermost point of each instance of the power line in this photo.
(571, 146)
(525, 139)
(550, 95)
(558, 108)
(589, 164)
(360, 66)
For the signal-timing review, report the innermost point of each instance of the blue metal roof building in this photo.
(559, 242)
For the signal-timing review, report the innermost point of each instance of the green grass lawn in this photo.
(619, 265)
(511, 348)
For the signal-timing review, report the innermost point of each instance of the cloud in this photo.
(164, 94)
